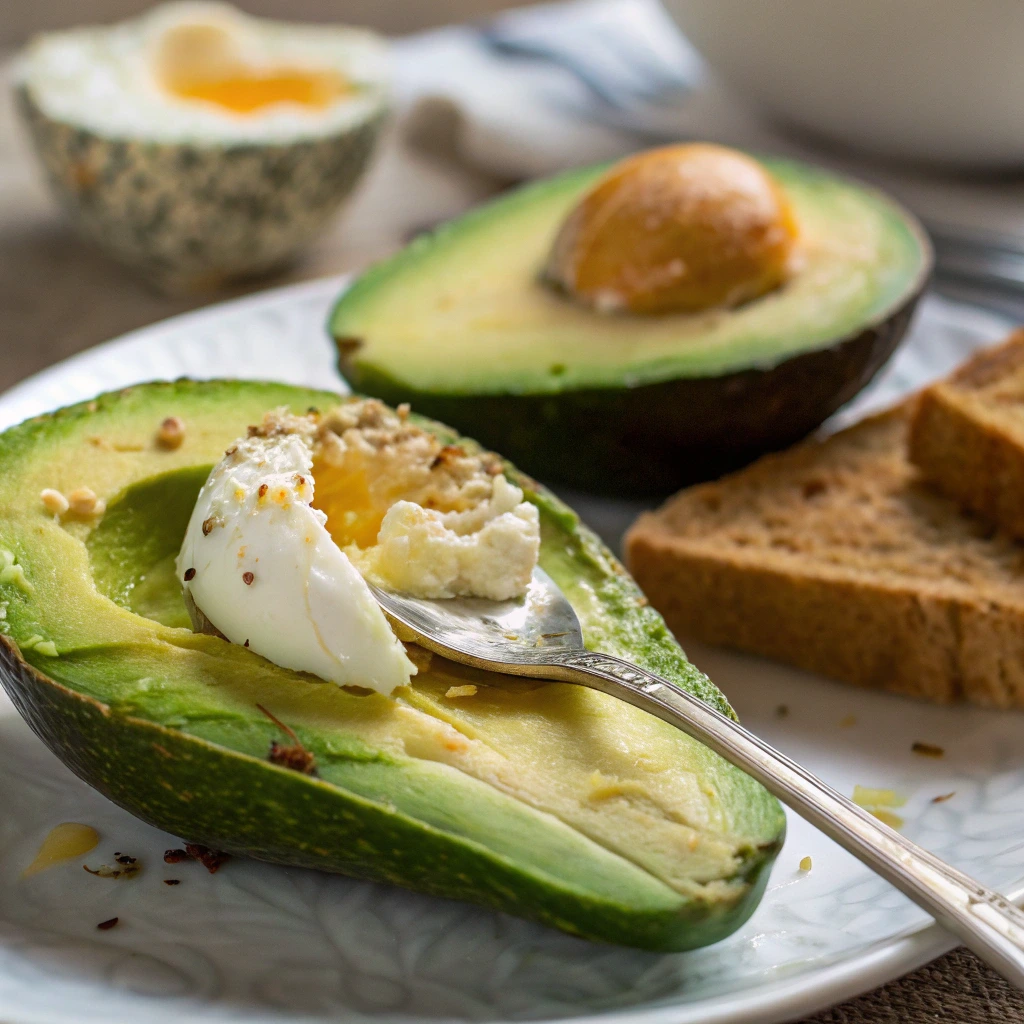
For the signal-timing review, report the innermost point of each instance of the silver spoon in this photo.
(540, 636)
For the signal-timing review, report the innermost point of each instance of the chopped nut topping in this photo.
(53, 501)
(171, 432)
(83, 502)
(210, 859)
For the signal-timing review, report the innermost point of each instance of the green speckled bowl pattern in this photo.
(191, 217)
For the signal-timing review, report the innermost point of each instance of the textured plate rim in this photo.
(785, 999)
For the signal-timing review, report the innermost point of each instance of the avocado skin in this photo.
(246, 806)
(653, 439)
(230, 800)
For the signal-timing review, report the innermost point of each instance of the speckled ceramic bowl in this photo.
(191, 207)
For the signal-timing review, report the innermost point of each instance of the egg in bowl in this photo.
(197, 144)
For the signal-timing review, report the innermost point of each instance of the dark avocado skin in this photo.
(226, 795)
(653, 439)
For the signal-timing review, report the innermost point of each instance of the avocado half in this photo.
(461, 325)
(550, 801)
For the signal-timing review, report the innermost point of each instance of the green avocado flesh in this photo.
(545, 800)
(463, 311)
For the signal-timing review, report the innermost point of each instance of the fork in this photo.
(540, 636)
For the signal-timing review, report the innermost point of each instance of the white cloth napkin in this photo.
(515, 118)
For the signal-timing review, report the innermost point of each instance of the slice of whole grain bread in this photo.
(967, 436)
(834, 557)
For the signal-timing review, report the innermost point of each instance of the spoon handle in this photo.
(986, 922)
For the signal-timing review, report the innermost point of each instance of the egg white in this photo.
(103, 78)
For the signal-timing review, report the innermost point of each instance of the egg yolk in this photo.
(245, 93)
(207, 62)
(356, 491)
(343, 493)
(678, 229)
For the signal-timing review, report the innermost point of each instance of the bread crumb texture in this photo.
(836, 557)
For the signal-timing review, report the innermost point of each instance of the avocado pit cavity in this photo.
(676, 230)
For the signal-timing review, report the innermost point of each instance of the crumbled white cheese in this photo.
(487, 551)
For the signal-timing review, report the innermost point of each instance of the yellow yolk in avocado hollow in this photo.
(678, 229)
(356, 493)
(343, 494)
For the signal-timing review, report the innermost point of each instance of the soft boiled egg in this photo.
(197, 144)
(297, 510)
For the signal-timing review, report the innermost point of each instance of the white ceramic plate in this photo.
(267, 944)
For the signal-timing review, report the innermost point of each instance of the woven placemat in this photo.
(955, 989)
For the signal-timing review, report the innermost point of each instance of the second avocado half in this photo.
(461, 325)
